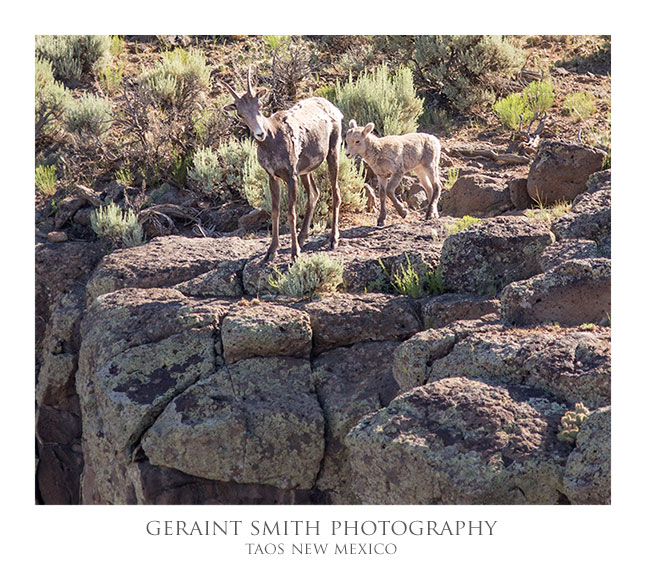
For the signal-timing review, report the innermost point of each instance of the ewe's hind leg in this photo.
(333, 172)
(312, 197)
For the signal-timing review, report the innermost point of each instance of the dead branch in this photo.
(505, 158)
(89, 194)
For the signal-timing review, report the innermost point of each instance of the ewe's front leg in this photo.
(292, 187)
(274, 188)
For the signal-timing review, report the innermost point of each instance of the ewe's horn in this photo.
(250, 88)
(230, 89)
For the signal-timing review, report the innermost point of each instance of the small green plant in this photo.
(119, 226)
(124, 177)
(580, 106)
(571, 422)
(463, 223)
(72, 57)
(387, 99)
(407, 280)
(178, 78)
(547, 214)
(88, 114)
(111, 78)
(588, 327)
(452, 175)
(275, 43)
(309, 277)
(46, 180)
(116, 45)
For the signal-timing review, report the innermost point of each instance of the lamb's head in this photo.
(249, 107)
(355, 139)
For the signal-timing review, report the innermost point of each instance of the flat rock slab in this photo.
(574, 292)
(265, 329)
(346, 319)
(167, 261)
(254, 422)
(460, 441)
(439, 311)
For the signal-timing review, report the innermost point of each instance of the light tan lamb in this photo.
(390, 157)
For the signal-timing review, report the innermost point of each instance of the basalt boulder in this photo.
(461, 441)
(487, 256)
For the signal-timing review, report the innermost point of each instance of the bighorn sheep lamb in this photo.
(292, 143)
(390, 157)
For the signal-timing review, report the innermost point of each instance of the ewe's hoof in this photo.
(333, 245)
(380, 223)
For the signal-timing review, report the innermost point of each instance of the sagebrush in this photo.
(309, 277)
(387, 99)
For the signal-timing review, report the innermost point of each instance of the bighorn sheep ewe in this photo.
(292, 143)
(390, 157)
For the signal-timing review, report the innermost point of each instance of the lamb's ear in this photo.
(352, 124)
(229, 108)
(368, 129)
(261, 93)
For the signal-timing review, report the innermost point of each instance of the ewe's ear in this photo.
(353, 124)
(368, 129)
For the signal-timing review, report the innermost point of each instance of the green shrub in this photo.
(309, 277)
(178, 78)
(74, 56)
(89, 114)
(387, 99)
(539, 96)
(465, 70)
(46, 180)
(518, 109)
(51, 98)
(571, 422)
(512, 110)
(580, 106)
(119, 226)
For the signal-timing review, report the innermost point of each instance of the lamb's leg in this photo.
(312, 197)
(274, 188)
(333, 172)
(430, 179)
(437, 186)
(393, 183)
(425, 180)
(292, 188)
(382, 202)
